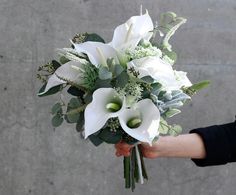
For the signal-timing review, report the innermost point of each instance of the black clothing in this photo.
(220, 144)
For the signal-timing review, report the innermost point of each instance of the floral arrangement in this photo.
(124, 90)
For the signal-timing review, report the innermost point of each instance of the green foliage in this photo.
(51, 91)
(57, 120)
(80, 122)
(83, 37)
(165, 128)
(63, 60)
(171, 112)
(168, 24)
(90, 76)
(57, 108)
(76, 92)
(121, 80)
(196, 87)
(104, 73)
(71, 115)
(111, 137)
(95, 140)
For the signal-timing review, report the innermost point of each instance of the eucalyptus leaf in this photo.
(57, 120)
(171, 112)
(95, 140)
(109, 136)
(57, 108)
(72, 117)
(104, 73)
(175, 130)
(121, 80)
(74, 103)
(94, 37)
(163, 127)
(80, 123)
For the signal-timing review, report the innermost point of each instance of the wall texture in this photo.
(35, 159)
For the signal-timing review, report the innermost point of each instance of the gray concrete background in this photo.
(36, 160)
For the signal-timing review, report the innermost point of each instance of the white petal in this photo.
(90, 48)
(65, 71)
(96, 113)
(150, 117)
(182, 79)
(141, 25)
(158, 69)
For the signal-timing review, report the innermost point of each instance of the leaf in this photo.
(51, 91)
(74, 103)
(57, 120)
(147, 79)
(118, 69)
(169, 23)
(76, 92)
(102, 83)
(94, 37)
(175, 130)
(121, 80)
(164, 127)
(72, 117)
(200, 85)
(63, 60)
(171, 112)
(110, 136)
(95, 140)
(57, 108)
(170, 54)
(80, 123)
(55, 64)
(104, 73)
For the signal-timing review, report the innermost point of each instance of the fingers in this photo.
(123, 149)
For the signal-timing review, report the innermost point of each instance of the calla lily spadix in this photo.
(97, 52)
(71, 71)
(147, 117)
(106, 104)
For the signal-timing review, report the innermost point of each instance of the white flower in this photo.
(145, 116)
(125, 36)
(106, 104)
(158, 69)
(132, 31)
(71, 71)
(97, 52)
(182, 79)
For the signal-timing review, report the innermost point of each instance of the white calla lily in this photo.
(97, 52)
(71, 71)
(132, 31)
(147, 115)
(182, 79)
(158, 69)
(106, 104)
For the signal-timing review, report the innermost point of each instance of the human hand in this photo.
(124, 149)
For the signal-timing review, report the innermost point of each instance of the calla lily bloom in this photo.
(142, 121)
(158, 69)
(97, 52)
(132, 31)
(125, 36)
(106, 104)
(71, 71)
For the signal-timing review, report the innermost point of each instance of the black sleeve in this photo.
(220, 144)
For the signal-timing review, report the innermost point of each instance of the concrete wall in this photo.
(35, 159)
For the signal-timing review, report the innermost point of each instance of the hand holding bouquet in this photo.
(124, 90)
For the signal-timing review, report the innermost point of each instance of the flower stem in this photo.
(127, 171)
(139, 164)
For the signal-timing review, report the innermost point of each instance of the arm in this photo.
(214, 145)
(169, 146)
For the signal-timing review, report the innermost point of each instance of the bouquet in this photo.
(124, 90)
